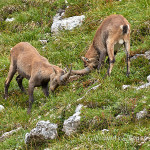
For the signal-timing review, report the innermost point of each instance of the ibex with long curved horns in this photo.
(29, 64)
(111, 34)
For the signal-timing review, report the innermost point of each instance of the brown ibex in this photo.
(29, 64)
(111, 34)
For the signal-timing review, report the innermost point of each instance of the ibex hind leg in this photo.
(19, 79)
(12, 71)
(101, 60)
(30, 92)
(127, 48)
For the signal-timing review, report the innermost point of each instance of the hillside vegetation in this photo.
(32, 22)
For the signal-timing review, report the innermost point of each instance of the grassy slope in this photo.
(32, 21)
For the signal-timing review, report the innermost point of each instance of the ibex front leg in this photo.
(45, 89)
(31, 98)
(110, 50)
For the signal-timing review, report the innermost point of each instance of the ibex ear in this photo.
(54, 70)
(85, 59)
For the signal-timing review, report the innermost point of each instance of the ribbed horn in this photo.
(66, 76)
(81, 72)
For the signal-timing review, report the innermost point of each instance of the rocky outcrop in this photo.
(67, 23)
(44, 131)
(71, 124)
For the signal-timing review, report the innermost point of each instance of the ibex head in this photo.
(58, 78)
(90, 62)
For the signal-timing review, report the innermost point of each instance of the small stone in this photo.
(1, 108)
(141, 114)
(143, 86)
(9, 19)
(43, 42)
(148, 78)
(119, 116)
(125, 86)
(105, 130)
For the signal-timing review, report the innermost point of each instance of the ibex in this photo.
(29, 64)
(111, 34)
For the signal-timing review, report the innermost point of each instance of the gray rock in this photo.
(125, 86)
(43, 42)
(119, 116)
(44, 131)
(148, 78)
(71, 124)
(143, 86)
(8, 134)
(146, 55)
(105, 130)
(141, 114)
(78, 108)
(9, 19)
(67, 23)
(1, 108)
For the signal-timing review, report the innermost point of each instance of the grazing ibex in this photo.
(29, 64)
(111, 34)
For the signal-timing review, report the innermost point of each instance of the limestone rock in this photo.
(148, 78)
(125, 86)
(119, 116)
(1, 108)
(71, 124)
(143, 86)
(9, 19)
(141, 114)
(8, 134)
(67, 23)
(146, 55)
(44, 131)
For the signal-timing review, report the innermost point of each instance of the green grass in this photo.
(33, 19)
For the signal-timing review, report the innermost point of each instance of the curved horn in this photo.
(66, 76)
(81, 72)
(54, 70)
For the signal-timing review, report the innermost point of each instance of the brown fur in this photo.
(29, 64)
(114, 31)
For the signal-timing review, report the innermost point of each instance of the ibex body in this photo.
(29, 64)
(111, 34)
